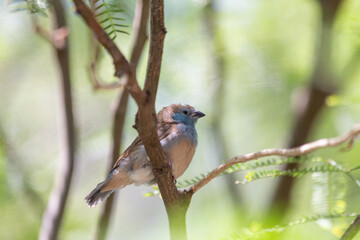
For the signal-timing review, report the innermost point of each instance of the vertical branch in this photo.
(217, 60)
(157, 36)
(55, 209)
(176, 203)
(140, 25)
(117, 132)
(321, 85)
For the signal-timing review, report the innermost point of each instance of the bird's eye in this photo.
(185, 112)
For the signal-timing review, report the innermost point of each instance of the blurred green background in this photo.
(269, 54)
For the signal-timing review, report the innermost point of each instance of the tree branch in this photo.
(55, 210)
(282, 152)
(95, 81)
(140, 28)
(122, 66)
(175, 202)
(157, 36)
(219, 79)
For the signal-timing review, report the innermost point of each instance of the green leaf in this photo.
(110, 11)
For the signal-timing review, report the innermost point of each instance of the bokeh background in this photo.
(268, 51)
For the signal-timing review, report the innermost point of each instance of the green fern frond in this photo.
(190, 182)
(331, 166)
(107, 15)
(258, 233)
(296, 172)
(270, 162)
(32, 6)
(253, 165)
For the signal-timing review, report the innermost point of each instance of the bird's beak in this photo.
(198, 114)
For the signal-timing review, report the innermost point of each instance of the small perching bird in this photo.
(178, 137)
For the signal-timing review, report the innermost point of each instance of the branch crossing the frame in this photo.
(326, 167)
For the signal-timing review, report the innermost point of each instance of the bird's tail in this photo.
(97, 195)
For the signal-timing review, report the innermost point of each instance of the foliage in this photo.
(108, 15)
(264, 71)
(257, 233)
(324, 166)
(32, 6)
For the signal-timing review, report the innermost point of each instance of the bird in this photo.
(178, 138)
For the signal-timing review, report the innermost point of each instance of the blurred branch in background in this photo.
(93, 66)
(309, 105)
(30, 195)
(352, 230)
(40, 30)
(56, 205)
(140, 36)
(96, 51)
(217, 61)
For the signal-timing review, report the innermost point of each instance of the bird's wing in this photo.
(133, 146)
(164, 130)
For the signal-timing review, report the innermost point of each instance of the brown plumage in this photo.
(178, 137)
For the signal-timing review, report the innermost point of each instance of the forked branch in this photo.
(122, 66)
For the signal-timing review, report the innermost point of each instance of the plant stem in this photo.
(352, 230)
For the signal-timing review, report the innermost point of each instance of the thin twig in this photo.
(14, 162)
(352, 230)
(95, 80)
(217, 60)
(98, 84)
(40, 30)
(122, 66)
(57, 38)
(283, 152)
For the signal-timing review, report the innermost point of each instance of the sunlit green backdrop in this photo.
(268, 46)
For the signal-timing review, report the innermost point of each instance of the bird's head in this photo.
(177, 113)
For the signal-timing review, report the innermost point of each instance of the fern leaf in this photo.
(254, 165)
(32, 6)
(259, 234)
(107, 16)
(297, 172)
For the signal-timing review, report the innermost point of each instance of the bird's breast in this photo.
(180, 156)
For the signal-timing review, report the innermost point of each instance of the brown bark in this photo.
(55, 210)
(176, 203)
(117, 132)
(140, 36)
